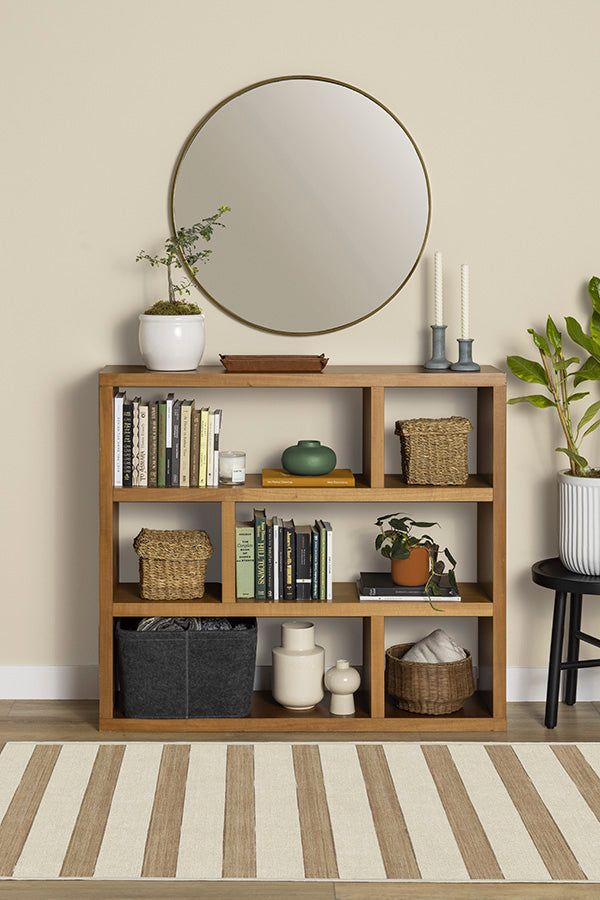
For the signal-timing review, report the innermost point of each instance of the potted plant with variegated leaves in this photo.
(561, 374)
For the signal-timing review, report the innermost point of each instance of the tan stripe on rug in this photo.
(581, 773)
(472, 840)
(545, 834)
(239, 838)
(162, 842)
(24, 805)
(86, 839)
(392, 834)
(315, 825)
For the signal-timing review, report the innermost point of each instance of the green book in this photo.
(322, 559)
(260, 554)
(161, 477)
(244, 560)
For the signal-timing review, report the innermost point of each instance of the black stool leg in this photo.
(558, 628)
(573, 648)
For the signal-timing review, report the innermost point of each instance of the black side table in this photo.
(551, 573)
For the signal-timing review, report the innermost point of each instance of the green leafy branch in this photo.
(554, 372)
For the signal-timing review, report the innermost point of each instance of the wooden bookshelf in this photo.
(483, 600)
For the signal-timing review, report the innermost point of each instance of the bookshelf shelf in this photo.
(484, 600)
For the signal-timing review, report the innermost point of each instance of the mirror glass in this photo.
(329, 204)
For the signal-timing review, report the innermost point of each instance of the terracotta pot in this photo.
(413, 571)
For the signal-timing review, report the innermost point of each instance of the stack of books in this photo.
(281, 478)
(373, 586)
(278, 560)
(165, 443)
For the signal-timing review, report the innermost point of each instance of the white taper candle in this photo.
(464, 302)
(437, 289)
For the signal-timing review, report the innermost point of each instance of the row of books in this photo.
(373, 586)
(165, 443)
(278, 560)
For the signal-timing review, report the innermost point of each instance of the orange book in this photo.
(281, 478)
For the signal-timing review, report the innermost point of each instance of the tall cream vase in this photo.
(298, 667)
(579, 523)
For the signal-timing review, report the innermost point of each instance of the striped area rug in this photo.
(335, 811)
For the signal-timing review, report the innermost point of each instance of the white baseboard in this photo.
(81, 683)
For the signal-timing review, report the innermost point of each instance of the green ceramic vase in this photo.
(308, 458)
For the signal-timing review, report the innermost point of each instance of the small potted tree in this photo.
(414, 558)
(560, 375)
(171, 332)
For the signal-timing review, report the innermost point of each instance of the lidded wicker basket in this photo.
(434, 451)
(434, 689)
(172, 563)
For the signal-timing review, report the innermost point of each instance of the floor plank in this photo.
(466, 891)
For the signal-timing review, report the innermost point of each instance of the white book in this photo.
(203, 446)
(187, 408)
(215, 445)
(276, 539)
(135, 443)
(329, 559)
(118, 438)
(368, 598)
(169, 421)
(210, 456)
(143, 445)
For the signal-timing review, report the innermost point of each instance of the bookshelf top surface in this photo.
(333, 376)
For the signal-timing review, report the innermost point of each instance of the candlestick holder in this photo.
(465, 357)
(438, 357)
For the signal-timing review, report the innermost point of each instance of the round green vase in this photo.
(308, 458)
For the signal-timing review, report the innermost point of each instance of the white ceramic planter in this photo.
(172, 343)
(298, 667)
(579, 523)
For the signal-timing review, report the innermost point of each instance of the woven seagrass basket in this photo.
(434, 451)
(172, 563)
(433, 689)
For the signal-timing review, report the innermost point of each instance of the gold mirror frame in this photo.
(182, 154)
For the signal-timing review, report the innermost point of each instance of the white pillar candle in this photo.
(464, 302)
(232, 467)
(437, 289)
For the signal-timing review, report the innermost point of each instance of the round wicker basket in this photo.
(433, 689)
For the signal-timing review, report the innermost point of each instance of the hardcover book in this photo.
(127, 443)
(162, 444)
(118, 439)
(153, 445)
(218, 418)
(276, 541)
(195, 449)
(303, 567)
(322, 559)
(176, 443)
(289, 560)
(328, 560)
(187, 408)
(281, 554)
(143, 445)
(203, 446)
(270, 561)
(210, 451)
(135, 443)
(281, 478)
(315, 556)
(169, 439)
(260, 554)
(244, 560)
(379, 586)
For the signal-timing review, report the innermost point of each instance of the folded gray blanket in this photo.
(187, 623)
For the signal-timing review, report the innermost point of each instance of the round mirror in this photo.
(329, 200)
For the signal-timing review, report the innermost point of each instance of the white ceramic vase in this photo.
(342, 680)
(579, 523)
(298, 667)
(172, 343)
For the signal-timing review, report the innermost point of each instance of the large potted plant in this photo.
(171, 332)
(560, 375)
(414, 558)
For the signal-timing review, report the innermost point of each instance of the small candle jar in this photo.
(232, 467)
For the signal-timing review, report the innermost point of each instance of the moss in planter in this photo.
(173, 308)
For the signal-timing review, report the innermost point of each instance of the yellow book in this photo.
(203, 446)
(281, 478)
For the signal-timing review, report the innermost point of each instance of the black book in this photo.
(127, 443)
(260, 554)
(176, 448)
(303, 562)
(380, 584)
(289, 560)
(314, 563)
(270, 567)
(281, 559)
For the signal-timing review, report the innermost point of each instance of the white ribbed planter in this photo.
(579, 523)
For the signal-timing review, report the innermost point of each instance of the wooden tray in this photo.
(283, 363)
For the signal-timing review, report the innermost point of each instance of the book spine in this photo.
(314, 564)
(153, 445)
(281, 560)
(270, 562)
(176, 444)
(329, 576)
(162, 446)
(195, 449)
(118, 439)
(218, 417)
(186, 434)
(135, 444)
(289, 589)
(143, 458)
(303, 574)
(169, 440)
(210, 456)
(244, 561)
(203, 447)
(322, 563)
(127, 444)
(260, 557)
(276, 595)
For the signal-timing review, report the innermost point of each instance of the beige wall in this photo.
(97, 99)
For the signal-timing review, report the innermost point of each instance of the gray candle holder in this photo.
(438, 357)
(465, 357)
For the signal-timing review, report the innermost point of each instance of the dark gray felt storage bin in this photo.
(185, 674)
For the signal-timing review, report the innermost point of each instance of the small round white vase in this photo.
(172, 343)
(342, 680)
(298, 667)
(579, 523)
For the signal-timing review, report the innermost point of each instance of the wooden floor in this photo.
(76, 721)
